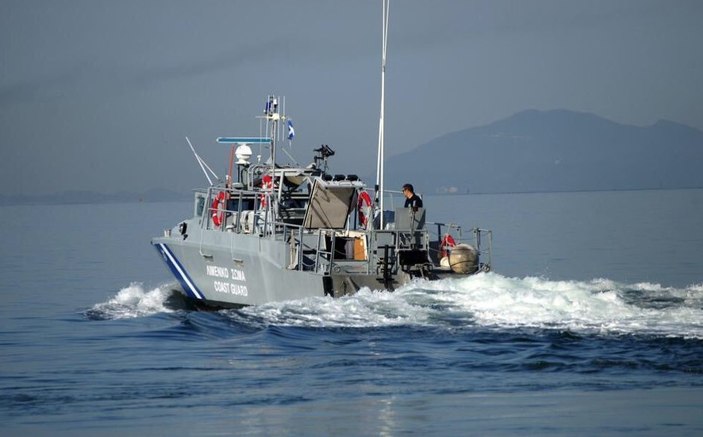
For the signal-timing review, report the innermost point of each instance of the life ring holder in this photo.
(447, 242)
(266, 187)
(364, 204)
(218, 209)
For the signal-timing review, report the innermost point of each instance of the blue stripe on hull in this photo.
(179, 272)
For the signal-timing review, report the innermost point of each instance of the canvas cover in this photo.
(330, 205)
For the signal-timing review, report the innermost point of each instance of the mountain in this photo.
(557, 150)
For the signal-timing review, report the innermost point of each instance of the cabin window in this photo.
(199, 205)
(233, 204)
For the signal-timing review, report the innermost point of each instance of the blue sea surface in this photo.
(591, 323)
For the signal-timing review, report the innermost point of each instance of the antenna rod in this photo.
(202, 163)
(381, 137)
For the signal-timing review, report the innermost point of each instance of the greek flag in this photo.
(291, 131)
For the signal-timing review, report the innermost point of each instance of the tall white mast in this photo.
(380, 159)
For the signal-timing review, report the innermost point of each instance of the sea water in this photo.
(591, 323)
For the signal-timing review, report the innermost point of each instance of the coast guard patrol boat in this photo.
(273, 232)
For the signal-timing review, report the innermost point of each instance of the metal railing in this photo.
(314, 249)
(481, 240)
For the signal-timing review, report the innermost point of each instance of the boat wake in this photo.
(599, 306)
(490, 300)
(136, 301)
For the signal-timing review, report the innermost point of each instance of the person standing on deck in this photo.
(412, 200)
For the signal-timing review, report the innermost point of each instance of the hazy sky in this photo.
(99, 95)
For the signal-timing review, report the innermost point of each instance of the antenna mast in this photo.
(381, 151)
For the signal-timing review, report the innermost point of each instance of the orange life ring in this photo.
(266, 185)
(447, 242)
(362, 205)
(218, 209)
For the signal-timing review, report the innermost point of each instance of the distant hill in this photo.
(80, 197)
(556, 150)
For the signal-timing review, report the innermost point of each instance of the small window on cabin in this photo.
(200, 206)
(247, 204)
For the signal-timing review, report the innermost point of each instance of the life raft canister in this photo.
(363, 205)
(447, 242)
(218, 209)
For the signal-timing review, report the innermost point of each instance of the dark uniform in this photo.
(413, 201)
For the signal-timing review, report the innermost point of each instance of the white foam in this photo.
(366, 308)
(595, 306)
(133, 301)
(600, 306)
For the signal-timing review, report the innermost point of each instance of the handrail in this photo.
(261, 221)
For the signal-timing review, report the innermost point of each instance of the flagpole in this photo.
(381, 135)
